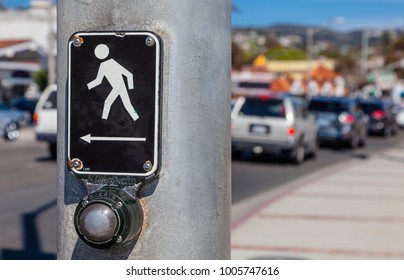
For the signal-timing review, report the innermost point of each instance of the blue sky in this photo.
(357, 13)
(373, 14)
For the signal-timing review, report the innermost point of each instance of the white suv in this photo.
(45, 118)
(279, 124)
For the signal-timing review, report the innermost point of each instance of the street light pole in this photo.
(187, 205)
(364, 54)
(309, 49)
(310, 39)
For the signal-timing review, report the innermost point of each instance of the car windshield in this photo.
(263, 108)
(369, 108)
(328, 106)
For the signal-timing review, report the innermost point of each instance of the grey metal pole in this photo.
(51, 44)
(364, 54)
(309, 50)
(187, 211)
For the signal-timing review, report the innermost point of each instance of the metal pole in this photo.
(364, 54)
(51, 45)
(309, 50)
(187, 212)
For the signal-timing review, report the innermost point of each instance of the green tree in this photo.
(41, 78)
(282, 53)
(239, 58)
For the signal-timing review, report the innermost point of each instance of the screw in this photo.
(119, 204)
(85, 202)
(120, 34)
(150, 41)
(147, 166)
(77, 41)
(76, 164)
(119, 239)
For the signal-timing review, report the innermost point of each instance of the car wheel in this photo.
(353, 143)
(387, 132)
(298, 154)
(362, 143)
(52, 150)
(395, 129)
(315, 150)
(11, 132)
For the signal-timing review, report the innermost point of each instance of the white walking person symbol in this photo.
(114, 73)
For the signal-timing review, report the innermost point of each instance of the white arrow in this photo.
(88, 138)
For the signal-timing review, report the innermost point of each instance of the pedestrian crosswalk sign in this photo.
(113, 103)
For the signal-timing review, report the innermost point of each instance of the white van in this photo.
(45, 118)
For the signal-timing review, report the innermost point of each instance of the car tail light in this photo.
(378, 114)
(264, 98)
(346, 118)
(291, 131)
(35, 118)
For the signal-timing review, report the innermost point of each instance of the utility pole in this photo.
(182, 210)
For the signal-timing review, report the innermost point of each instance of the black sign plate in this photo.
(113, 103)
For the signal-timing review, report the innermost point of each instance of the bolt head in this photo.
(77, 42)
(147, 166)
(150, 41)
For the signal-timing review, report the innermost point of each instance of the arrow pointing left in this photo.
(88, 138)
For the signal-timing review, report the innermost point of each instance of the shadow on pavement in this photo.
(45, 159)
(32, 242)
(347, 153)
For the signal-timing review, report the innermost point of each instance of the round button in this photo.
(98, 223)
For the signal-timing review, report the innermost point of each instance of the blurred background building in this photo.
(27, 41)
(307, 60)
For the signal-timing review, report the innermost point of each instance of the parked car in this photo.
(382, 118)
(277, 124)
(341, 121)
(10, 122)
(26, 105)
(45, 118)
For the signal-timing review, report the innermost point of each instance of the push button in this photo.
(108, 217)
(98, 223)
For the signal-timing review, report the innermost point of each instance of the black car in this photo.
(382, 118)
(341, 121)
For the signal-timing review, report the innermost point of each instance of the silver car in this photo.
(10, 122)
(277, 124)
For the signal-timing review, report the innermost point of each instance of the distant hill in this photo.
(352, 38)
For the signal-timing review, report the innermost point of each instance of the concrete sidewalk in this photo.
(352, 210)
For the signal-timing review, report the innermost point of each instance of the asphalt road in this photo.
(28, 212)
(252, 175)
(27, 201)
